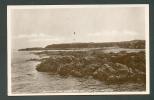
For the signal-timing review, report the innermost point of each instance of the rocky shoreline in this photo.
(112, 68)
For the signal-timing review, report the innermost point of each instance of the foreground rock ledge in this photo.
(108, 67)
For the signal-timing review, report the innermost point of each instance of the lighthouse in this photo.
(74, 36)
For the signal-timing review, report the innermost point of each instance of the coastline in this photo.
(109, 67)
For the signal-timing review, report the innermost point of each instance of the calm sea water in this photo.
(26, 79)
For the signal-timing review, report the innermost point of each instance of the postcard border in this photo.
(99, 93)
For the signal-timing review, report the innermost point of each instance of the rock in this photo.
(76, 73)
(65, 69)
(90, 60)
(104, 72)
(121, 66)
(112, 73)
(112, 79)
(138, 76)
(46, 67)
(122, 72)
(110, 67)
(89, 69)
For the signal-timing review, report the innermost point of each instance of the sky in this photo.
(41, 27)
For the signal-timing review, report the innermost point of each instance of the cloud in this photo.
(112, 35)
(45, 40)
(42, 39)
(33, 35)
(95, 34)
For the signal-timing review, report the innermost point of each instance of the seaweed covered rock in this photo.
(122, 72)
(132, 60)
(112, 73)
(64, 70)
(49, 65)
(89, 69)
(110, 67)
(53, 64)
(104, 72)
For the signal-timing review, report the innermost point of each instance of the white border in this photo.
(9, 8)
(9, 50)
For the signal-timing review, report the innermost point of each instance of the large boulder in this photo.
(89, 69)
(65, 69)
(76, 73)
(48, 66)
(138, 76)
(104, 72)
(112, 73)
(122, 72)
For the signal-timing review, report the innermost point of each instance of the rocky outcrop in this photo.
(110, 68)
(112, 73)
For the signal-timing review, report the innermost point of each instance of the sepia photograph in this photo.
(78, 49)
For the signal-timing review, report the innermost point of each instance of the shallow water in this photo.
(26, 79)
(116, 50)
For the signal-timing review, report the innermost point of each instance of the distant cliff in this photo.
(134, 44)
(30, 49)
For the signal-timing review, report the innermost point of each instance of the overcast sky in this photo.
(40, 27)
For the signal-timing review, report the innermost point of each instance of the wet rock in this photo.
(112, 73)
(89, 69)
(122, 70)
(64, 70)
(104, 72)
(50, 65)
(111, 67)
(76, 73)
(138, 76)
(112, 79)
